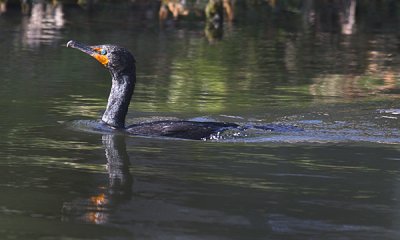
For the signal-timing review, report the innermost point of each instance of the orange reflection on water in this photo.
(97, 213)
(99, 200)
(96, 217)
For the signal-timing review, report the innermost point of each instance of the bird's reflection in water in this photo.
(117, 166)
(95, 209)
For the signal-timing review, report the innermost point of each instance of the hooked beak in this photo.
(92, 51)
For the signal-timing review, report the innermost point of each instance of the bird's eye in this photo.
(102, 51)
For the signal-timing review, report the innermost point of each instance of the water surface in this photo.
(338, 178)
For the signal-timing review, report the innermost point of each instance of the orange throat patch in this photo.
(101, 58)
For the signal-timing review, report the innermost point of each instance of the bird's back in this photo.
(180, 129)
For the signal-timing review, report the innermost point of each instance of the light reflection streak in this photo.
(78, 105)
(3, 6)
(348, 17)
(43, 23)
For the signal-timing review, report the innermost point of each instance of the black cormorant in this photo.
(121, 65)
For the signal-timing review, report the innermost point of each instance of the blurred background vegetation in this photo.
(197, 8)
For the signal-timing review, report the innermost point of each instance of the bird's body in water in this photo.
(121, 64)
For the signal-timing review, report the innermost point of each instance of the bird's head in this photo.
(116, 59)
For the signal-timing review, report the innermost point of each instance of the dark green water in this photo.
(337, 179)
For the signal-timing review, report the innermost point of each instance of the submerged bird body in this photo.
(121, 65)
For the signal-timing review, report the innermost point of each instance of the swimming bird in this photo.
(121, 65)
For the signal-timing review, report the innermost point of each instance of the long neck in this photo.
(119, 99)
